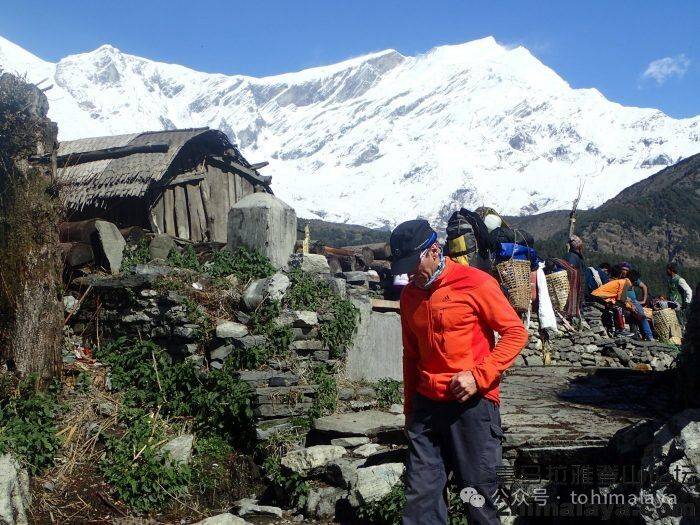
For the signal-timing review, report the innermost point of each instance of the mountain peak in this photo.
(362, 140)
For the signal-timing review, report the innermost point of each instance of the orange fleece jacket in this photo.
(613, 290)
(449, 329)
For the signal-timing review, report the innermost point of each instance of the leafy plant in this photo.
(307, 292)
(337, 332)
(141, 475)
(27, 425)
(138, 254)
(388, 392)
(263, 322)
(187, 259)
(290, 488)
(386, 511)
(244, 263)
(326, 399)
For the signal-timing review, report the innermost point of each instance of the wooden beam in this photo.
(169, 211)
(198, 222)
(181, 219)
(184, 178)
(73, 159)
(259, 165)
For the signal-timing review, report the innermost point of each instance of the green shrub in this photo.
(209, 463)
(217, 401)
(244, 263)
(386, 511)
(290, 488)
(135, 467)
(187, 259)
(134, 255)
(388, 392)
(263, 322)
(326, 399)
(27, 425)
(307, 292)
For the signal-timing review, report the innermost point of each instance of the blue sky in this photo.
(638, 53)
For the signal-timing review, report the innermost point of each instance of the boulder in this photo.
(221, 353)
(271, 287)
(223, 519)
(310, 263)
(111, 245)
(231, 330)
(367, 450)
(263, 222)
(342, 472)
(368, 423)
(304, 460)
(161, 246)
(179, 449)
(250, 507)
(373, 483)
(14, 492)
(350, 441)
(298, 319)
(322, 502)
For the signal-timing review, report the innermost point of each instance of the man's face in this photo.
(429, 262)
(624, 272)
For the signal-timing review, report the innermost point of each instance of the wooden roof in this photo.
(94, 170)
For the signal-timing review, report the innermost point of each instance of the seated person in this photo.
(614, 295)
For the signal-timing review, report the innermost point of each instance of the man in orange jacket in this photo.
(452, 369)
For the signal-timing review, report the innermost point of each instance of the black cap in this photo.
(407, 241)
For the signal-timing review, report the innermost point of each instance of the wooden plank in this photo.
(384, 305)
(204, 191)
(184, 178)
(198, 222)
(231, 186)
(218, 197)
(169, 211)
(158, 216)
(182, 222)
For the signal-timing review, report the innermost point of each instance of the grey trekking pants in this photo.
(463, 438)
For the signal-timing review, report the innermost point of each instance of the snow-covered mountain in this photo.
(384, 137)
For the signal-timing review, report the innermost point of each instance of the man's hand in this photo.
(463, 386)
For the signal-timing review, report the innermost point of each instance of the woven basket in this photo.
(558, 287)
(666, 324)
(515, 276)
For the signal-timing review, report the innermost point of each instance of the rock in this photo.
(322, 502)
(179, 449)
(343, 472)
(356, 278)
(196, 360)
(308, 345)
(69, 303)
(223, 519)
(345, 394)
(230, 330)
(368, 423)
(107, 409)
(368, 392)
(14, 492)
(263, 222)
(350, 441)
(186, 331)
(373, 483)
(298, 319)
(273, 288)
(339, 286)
(152, 271)
(160, 247)
(304, 460)
(367, 450)
(221, 353)
(250, 507)
(310, 263)
(621, 355)
(266, 429)
(267, 377)
(396, 408)
(250, 341)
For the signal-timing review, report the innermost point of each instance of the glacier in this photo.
(384, 137)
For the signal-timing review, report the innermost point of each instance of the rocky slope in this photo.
(384, 137)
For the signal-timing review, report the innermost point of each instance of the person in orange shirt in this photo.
(452, 368)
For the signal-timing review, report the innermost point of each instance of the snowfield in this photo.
(382, 138)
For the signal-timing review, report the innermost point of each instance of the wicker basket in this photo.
(515, 277)
(666, 324)
(558, 287)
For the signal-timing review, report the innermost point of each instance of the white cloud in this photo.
(664, 68)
